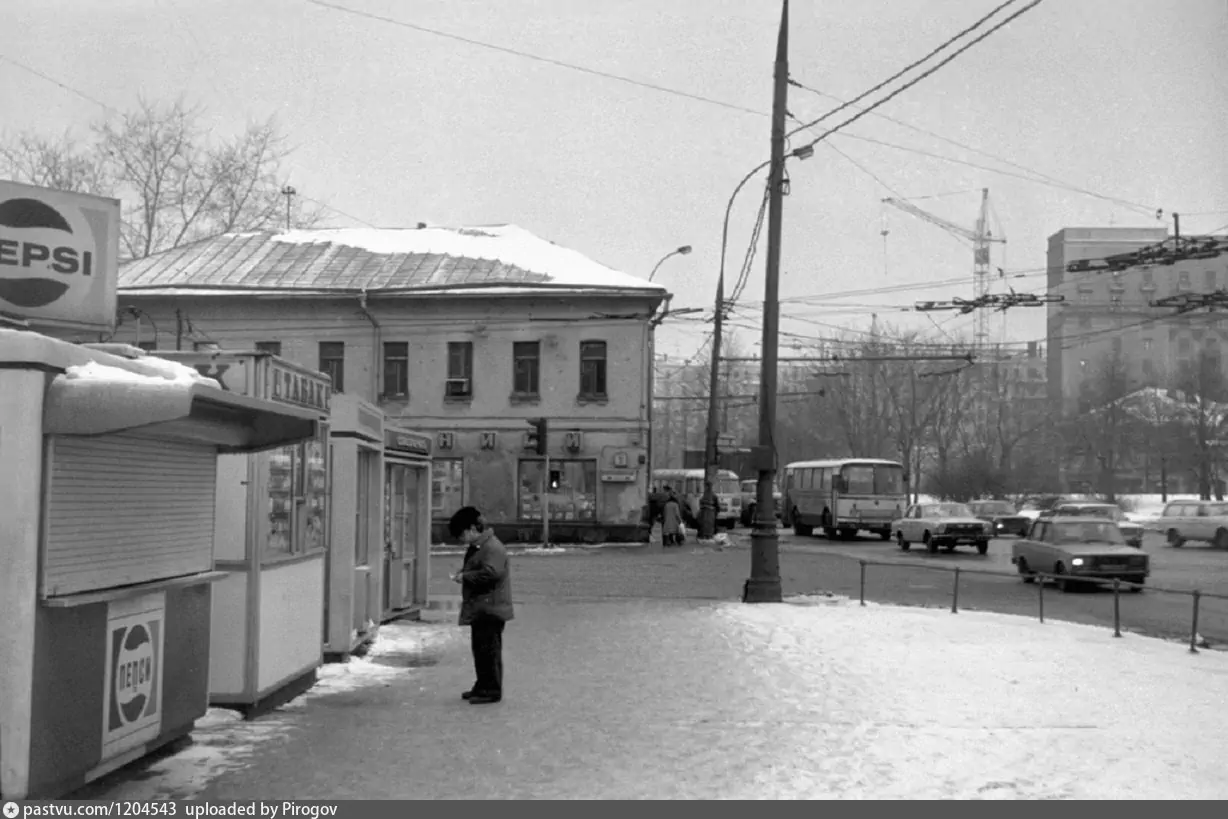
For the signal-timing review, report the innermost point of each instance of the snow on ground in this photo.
(981, 705)
(223, 740)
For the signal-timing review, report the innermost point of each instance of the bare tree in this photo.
(176, 184)
(1202, 395)
(1103, 432)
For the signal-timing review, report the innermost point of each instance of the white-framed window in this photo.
(396, 369)
(447, 486)
(526, 367)
(571, 485)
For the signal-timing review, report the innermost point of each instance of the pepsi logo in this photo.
(134, 672)
(43, 251)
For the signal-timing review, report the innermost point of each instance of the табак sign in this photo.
(59, 256)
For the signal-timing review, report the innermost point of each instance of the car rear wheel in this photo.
(930, 545)
(899, 538)
(1174, 539)
(1221, 539)
(1024, 571)
(982, 547)
(885, 534)
(800, 529)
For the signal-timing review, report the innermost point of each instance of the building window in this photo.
(447, 486)
(460, 370)
(396, 369)
(204, 345)
(147, 346)
(1147, 345)
(592, 369)
(1115, 304)
(526, 367)
(571, 488)
(270, 347)
(332, 363)
(1210, 274)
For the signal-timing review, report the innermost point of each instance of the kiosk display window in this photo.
(316, 495)
(279, 538)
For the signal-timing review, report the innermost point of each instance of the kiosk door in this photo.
(362, 542)
(400, 553)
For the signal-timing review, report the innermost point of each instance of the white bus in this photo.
(844, 495)
(689, 486)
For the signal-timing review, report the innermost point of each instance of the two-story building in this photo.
(466, 333)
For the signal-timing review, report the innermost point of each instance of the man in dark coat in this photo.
(486, 601)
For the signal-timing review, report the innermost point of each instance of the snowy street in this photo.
(670, 699)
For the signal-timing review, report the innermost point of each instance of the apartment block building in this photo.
(463, 333)
(1109, 313)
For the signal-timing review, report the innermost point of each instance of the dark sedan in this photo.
(1003, 516)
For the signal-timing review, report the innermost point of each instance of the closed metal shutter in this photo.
(124, 509)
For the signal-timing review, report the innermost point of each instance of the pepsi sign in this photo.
(58, 256)
(133, 698)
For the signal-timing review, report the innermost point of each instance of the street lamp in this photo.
(707, 515)
(652, 358)
(682, 251)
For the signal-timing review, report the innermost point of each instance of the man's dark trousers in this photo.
(486, 637)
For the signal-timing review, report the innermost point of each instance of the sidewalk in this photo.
(704, 700)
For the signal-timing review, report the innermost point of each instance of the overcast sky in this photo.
(1127, 99)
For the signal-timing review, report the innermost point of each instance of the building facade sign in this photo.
(59, 257)
(411, 442)
(287, 386)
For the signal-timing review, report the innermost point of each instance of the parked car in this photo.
(1078, 549)
(1188, 520)
(1131, 531)
(1002, 516)
(941, 525)
(750, 491)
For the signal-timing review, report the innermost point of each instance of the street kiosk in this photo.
(272, 533)
(407, 523)
(109, 468)
(353, 569)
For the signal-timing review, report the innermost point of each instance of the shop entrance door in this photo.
(401, 550)
(362, 541)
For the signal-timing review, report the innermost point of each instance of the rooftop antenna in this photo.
(289, 192)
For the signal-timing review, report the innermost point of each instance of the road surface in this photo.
(814, 564)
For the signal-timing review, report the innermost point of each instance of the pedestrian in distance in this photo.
(671, 521)
(486, 601)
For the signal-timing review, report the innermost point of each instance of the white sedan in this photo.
(944, 525)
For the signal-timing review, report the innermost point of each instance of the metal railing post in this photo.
(863, 582)
(1040, 595)
(1116, 607)
(955, 594)
(1194, 624)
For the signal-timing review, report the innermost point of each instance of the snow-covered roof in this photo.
(498, 259)
(1156, 405)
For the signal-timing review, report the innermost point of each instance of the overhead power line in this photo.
(1040, 176)
(899, 73)
(923, 74)
(538, 58)
(63, 85)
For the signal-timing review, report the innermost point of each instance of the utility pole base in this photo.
(761, 591)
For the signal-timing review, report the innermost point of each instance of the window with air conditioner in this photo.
(459, 383)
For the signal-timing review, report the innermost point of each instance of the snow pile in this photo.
(543, 551)
(718, 541)
(397, 646)
(148, 370)
(922, 704)
(508, 244)
(222, 741)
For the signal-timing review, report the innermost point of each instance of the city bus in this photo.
(845, 495)
(689, 486)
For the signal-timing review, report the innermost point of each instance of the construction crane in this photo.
(981, 237)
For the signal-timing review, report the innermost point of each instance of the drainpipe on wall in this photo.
(375, 349)
(654, 321)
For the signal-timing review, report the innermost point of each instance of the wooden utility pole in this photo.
(763, 586)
